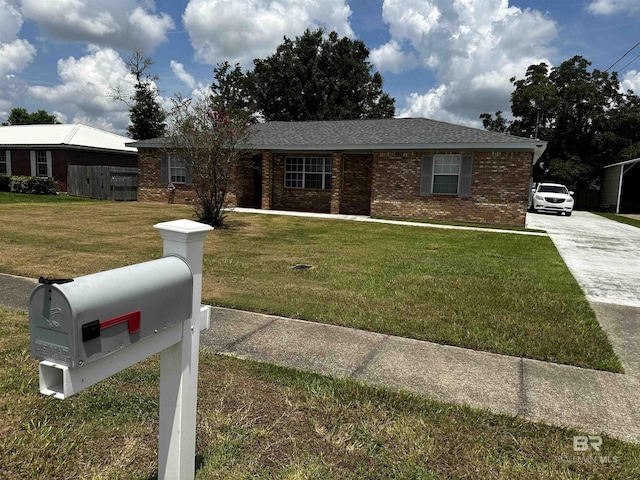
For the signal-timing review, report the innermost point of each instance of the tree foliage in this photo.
(318, 77)
(582, 114)
(148, 118)
(497, 124)
(209, 133)
(146, 114)
(20, 116)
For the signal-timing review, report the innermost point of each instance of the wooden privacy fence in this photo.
(103, 182)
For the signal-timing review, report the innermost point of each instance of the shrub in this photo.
(5, 183)
(34, 185)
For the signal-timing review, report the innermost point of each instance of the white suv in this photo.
(551, 197)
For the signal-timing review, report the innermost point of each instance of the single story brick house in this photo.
(47, 150)
(412, 168)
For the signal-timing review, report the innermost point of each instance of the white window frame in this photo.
(5, 159)
(299, 178)
(177, 168)
(441, 169)
(41, 157)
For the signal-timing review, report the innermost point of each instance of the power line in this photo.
(636, 58)
(627, 53)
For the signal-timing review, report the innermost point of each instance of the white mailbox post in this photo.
(90, 329)
(179, 363)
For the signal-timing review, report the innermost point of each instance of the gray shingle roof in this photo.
(390, 133)
(367, 134)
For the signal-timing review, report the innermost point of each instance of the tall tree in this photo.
(231, 92)
(318, 77)
(148, 118)
(581, 113)
(20, 116)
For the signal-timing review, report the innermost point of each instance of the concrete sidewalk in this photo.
(599, 402)
(367, 219)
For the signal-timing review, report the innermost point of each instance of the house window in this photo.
(42, 165)
(446, 174)
(5, 163)
(308, 172)
(177, 169)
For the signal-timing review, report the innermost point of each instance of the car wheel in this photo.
(568, 214)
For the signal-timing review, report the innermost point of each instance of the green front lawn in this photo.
(503, 293)
(261, 421)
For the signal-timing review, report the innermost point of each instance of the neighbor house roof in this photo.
(79, 137)
(375, 134)
(627, 162)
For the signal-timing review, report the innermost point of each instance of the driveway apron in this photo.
(604, 257)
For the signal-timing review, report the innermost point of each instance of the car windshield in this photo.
(553, 189)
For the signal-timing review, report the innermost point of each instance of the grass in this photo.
(620, 218)
(514, 228)
(25, 198)
(503, 293)
(261, 421)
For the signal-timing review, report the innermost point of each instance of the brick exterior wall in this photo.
(382, 184)
(499, 189)
(151, 188)
(295, 199)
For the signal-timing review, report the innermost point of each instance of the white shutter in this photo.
(7, 156)
(34, 172)
(49, 165)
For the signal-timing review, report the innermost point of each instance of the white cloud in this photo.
(182, 74)
(10, 22)
(241, 30)
(15, 56)
(86, 89)
(473, 47)
(15, 53)
(631, 81)
(390, 57)
(117, 23)
(611, 7)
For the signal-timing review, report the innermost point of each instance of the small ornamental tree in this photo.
(210, 140)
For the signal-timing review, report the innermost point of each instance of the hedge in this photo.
(33, 185)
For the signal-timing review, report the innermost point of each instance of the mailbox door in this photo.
(52, 327)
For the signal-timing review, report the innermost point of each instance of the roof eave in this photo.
(531, 147)
(626, 162)
(59, 146)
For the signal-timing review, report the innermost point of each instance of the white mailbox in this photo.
(78, 322)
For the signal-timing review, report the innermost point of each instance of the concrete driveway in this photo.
(603, 255)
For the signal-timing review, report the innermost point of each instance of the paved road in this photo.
(603, 255)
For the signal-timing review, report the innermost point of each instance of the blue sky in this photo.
(449, 60)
